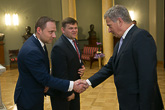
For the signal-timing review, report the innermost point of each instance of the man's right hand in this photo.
(80, 86)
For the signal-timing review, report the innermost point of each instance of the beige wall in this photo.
(88, 12)
(28, 11)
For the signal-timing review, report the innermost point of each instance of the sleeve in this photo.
(144, 52)
(35, 63)
(104, 73)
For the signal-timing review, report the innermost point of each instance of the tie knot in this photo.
(74, 41)
(121, 39)
(44, 47)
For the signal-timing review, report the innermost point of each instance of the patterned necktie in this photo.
(76, 49)
(121, 42)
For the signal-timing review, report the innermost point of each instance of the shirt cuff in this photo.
(71, 86)
(89, 83)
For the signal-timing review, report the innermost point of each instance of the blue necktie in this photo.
(120, 43)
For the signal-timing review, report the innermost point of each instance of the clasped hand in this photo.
(80, 86)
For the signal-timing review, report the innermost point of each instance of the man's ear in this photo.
(62, 29)
(120, 21)
(39, 30)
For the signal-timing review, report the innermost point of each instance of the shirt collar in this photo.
(42, 44)
(125, 33)
(70, 40)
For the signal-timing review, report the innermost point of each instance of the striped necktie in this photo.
(76, 49)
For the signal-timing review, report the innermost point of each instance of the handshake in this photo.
(80, 86)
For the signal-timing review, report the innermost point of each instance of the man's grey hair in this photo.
(118, 11)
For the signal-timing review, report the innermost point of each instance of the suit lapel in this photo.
(36, 41)
(45, 53)
(115, 52)
(70, 46)
(125, 43)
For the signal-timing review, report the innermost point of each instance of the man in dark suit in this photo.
(133, 64)
(66, 64)
(33, 65)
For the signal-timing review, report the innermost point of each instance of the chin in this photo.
(49, 42)
(117, 36)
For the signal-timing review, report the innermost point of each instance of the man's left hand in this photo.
(81, 70)
(71, 97)
(46, 89)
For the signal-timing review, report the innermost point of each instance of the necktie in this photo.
(45, 50)
(76, 48)
(120, 43)
(47, 59)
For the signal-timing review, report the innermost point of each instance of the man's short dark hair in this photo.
(41, 22)
(68, 20)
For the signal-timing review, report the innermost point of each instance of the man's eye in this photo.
(50, 32)
(110, 26)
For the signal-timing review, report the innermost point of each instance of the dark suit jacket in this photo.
(33, 66)
(65, 63)
(134, 69)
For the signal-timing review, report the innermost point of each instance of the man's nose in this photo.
(109, 30)
(54, 35)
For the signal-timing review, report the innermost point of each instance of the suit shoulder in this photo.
(141, 34)
(28, 48)
(141, 31)
(61, 42)
(58, 42)
(141, 37)
(59, 46)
